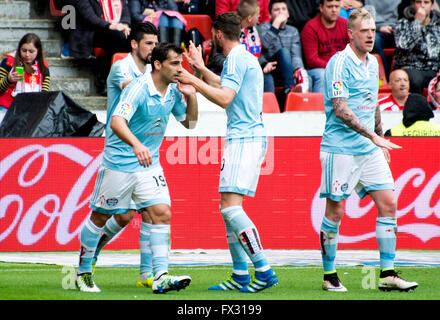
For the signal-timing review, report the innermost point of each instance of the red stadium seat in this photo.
(119, 56)
(311, 101)
(383, 82)
(270, 103)
(54, 11)
(201, 22)
(99, 52)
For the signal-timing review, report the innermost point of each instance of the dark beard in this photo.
(144, 60)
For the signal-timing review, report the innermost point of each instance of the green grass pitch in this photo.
(25, 281)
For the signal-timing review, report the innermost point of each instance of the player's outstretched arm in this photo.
(343, 112)
(121, 129)
(192, 109)
(222, 96)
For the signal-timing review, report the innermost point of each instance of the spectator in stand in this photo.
(417, 39)
(222, 6)
(301, 11)
(282, 45)
(321, 38)
(434, 92)
(23, 70)
(416, 115)
(399, 85)
(249, 11)
(188, 6)
(164, 14)
(348, 6)
(386, 17)
(100, 24)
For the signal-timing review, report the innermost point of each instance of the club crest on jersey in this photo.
(337, 88)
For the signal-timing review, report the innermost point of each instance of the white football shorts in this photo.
(115, 192)
(241, 165)
(341, 173)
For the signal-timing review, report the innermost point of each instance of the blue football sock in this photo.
(144, 242)
(386, 229)
(247, 234)
(329, 243)
(111, 228)
(89, 238)
(160, 247)
(238, 255)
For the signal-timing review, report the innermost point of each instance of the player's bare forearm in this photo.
(210, 77)
(192, 112)
(343, 112)
(378, 122)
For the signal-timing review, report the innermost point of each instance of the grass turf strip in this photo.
(24, 281)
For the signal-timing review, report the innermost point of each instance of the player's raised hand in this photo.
(185, 77)
(384, 143)
(194, 56)
(143, 155)
(186, 89)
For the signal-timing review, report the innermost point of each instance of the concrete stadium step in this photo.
(92, 103)
(17, 28)
(51, 48)
(71, 86)
(70, 68)
(15, 9)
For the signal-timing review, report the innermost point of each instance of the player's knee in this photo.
(160, 214)
(124, 219)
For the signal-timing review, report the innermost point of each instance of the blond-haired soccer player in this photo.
(354, 154)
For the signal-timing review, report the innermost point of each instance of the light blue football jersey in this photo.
(120, 72)
(242, 73)
(346, 76)
(147, 114)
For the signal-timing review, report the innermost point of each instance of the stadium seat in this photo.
(201, 22)
(270, 103)
(54, 11)
(311, 101)
(383, 82)
(119, 56)
(99, 52)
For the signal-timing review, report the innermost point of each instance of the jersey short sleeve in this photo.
(131, 99)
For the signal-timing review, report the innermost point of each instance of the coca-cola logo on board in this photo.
(421, 206)
(62, 209)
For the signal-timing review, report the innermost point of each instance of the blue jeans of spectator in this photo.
(316, 79)
(283, 74)
(170, 22)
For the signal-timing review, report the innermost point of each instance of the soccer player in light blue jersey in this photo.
(239, 90)
(354, 155)
(130, 172)
(143, 39)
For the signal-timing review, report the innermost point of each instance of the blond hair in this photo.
(358, 14)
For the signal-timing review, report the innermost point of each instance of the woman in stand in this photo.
(23, 70)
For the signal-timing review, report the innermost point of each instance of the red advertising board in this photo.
(46, 184)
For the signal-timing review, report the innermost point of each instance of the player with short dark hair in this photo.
(143, 39)
(239, 90)
(130, 175)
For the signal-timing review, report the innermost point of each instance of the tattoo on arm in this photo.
(378, 122)
(343, 112)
